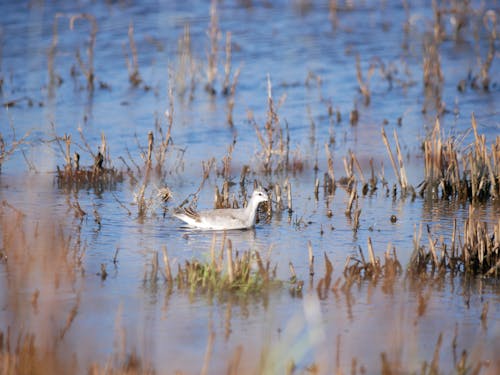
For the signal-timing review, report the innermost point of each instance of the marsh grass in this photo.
(470, 173)
(73, 176)
(227, 273)
(475, 252)
(274, 143)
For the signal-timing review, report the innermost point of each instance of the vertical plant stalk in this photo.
(331, 172)
(364, 84)
(132, 65)
(227, 65)
(399, 172)
(230, 102)
(213, 37)
(54, 79)
(490, 23)
(88, 70)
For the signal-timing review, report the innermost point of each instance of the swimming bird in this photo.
(224, 218)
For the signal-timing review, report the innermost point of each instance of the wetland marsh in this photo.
(374, 127)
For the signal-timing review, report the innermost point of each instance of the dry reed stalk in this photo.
(432, 248)
(213, 37)
(490, 24)
(329, 159)
(88, 70)
(293, 278)
(364, 84)
(357, 214)
(432, 75)
(227, 65)
(482, 157)
(150, 150)
(232, 92)
(289, 196)
(332, 13)
(328, 268)
(186, 66)
(402, 170)
(274, 146)
(311, 258)
(399, 172)
(438, 30)
(352, 197)
(354, 159)
(54, 79)
(371, 253)
(132, 64)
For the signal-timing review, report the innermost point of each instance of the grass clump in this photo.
(240, 273)
(476, 178)
(476, 252)
(97, 176)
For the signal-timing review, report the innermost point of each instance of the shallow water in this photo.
(313, 64)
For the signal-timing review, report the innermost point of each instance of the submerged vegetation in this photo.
(314, 167)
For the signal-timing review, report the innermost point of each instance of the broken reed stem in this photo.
(293, 278)
(402, 171)
(150, 150)
(399, 172)
(371, 254)
(358, 167)
(311, 258)
(330, 163)
(289, 196)
(432, 248)
(352, 197)
(363, 84)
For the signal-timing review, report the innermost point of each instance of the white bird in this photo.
(224, 218)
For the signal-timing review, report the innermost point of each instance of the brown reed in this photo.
(87, 69)
(74, 176)
(134, 76)
(400, 172)
(490, 24)
(477, 179)
(275, 146)
(212, 54)
(476, 252)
